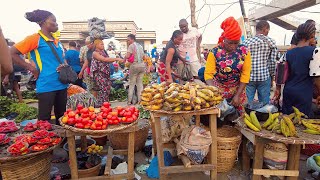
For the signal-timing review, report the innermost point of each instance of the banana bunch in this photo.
(272, 123)
(296, 116)
(190, 96)
(287, 127)
(152, 96)
(312, 125)
(252, 121)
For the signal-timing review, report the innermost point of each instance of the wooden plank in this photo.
(245, 155)
(83, 143)
(198, 120)
(160, 153)
(107, 169)
(186, 161)
(214, 146)
(73, 157)
(180, 169)
(169, 145)
(153, 128)
(258, 157)
(116, 176)
(248, 135)
(208, 112)
(293, 159)
(273, 172)
(131, 152)
(120, 152)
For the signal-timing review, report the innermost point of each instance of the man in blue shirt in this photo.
(117, 77)
(72, 58)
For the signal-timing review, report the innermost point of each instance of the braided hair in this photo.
(175, 34)
(305, 31)
(38, 16)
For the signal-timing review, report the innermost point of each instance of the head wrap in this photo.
(38, 16)
(305, 31)
(231, 30)
(115, 65)
(97, 41)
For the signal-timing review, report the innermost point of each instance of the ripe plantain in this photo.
(144, 103)
(212, 88)
(156, 101)
(178, 108)
(246, 116)
(311, 126)
(284, 128)
(147, 99)
(250, 125)
(313, 121)
(275, 122)
(269, 121)
(292, 128)
(204, 96)
(310, 131)
(148, 89)
(184, 95)
(254, 119)
(197, 107)
(157, 96)
(207, 92)
(187, 108)
(173, 95)
(172, 88)
(156, 107)
(197, 100)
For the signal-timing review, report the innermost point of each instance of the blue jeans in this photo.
(262, 87)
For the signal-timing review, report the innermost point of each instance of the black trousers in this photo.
(47, 100)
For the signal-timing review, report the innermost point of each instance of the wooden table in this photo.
(157, 137)
(259, 139)
(110, 152)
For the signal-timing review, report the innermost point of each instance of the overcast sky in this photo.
(159, 15)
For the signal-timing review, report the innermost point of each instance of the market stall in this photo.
(100, 122)
(291, 130)
(26, 151)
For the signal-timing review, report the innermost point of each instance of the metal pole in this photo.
(246, 20)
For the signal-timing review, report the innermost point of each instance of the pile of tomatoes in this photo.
(4, 139)
(8, 126)
(87, 118)
(39, 140)
(45, 125)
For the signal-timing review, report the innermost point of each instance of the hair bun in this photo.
(31, 16)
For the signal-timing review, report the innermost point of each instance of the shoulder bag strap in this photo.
(54, 51)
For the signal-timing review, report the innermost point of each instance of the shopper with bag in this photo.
(47, 52)
(229, 64)
(135, 56)
(298, 87)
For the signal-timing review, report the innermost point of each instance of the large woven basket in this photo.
(34, 167)
(120, 140)
(91, 172)
(229, 140)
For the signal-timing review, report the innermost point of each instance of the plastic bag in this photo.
(186, 74)
(260, 107)
(311, 163)
(225, 109)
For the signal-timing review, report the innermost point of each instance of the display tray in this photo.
(110, 129)
(303, 138)
(181, 112)
(5, 156)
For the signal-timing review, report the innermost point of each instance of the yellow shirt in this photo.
(211, 68)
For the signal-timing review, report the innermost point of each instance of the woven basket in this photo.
(35, 168)
(120, 140)
(94, 171)
(229, 140)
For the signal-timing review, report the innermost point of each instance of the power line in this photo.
(267, 5)
(208, 17)
(218, 15)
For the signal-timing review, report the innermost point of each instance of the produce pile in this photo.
(93, 149)
(176, 97)
(29, 95)
(24, 111)
(283, 124)
(5, 104)
(8, 126)
(39, 125)
(317, 160)
(118, 94)
(39, 140)
(99, 119)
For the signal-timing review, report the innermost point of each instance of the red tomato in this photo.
(110, 122)
(77, 112)
(109, 109)
(104, 126)
(84, 111)
(68, 110)
(136, 114)
(87, 126)
(85, 120)
(79, 107)
(99, 128)
(114, 113)
(91, 109)
(105, 121)
(71, 121)
(130, 119)
(98, 123)
(134, 117)
(128, 114)
(79, 125)
(115, 122)
(137, 110)
(105, 115)
(71, 114)
(85, 115)
(132, 109)
(99, 118)
(93, 126)
(102, 109)
(93, 116)
(124, 119)
(78, 120)
(122, 113)
(106, 104)
(109, 116)
(113, 118)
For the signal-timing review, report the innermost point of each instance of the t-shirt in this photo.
(154, 52)
(48, 79)
(72, 57)
(164, 53)
(117, 75)
(137, 48)
(189, 44)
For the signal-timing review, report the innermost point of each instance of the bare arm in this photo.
(84, 67)
(99, 57)
(5, 57)
(168, 63)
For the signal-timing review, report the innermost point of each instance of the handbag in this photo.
(67, 74)
(186, 74)
(131, 58)
(282, 71)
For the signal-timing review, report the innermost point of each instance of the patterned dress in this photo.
(100, 71)
(228, 72)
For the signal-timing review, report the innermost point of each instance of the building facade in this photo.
(78, 30)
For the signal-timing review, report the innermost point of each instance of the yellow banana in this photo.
(193, 92)
(147, 95)
(284, 128)
(197, 100)
(276, 127)
(217, 98)
(204, 96)
(250, 125)
(275, 122)
(144, 103)
(157, 101)
(269, 121)
(207, 105)
(313, 121)
(157, 96)
(145, 99)
(314, 127)
(173, 95)
(212, 88)
(292, 115)
(275, 115)
(172, 100)
(310, 131)
(187, 108)
(148, 89)
(292, 128)
(172, 88)
(254, 119)
(156, 107)
(184, 95)
(178, 108)
(163, 84)
(155, 86)
(197, 107)
(207, 92)
(247, 117)
(203, 101)
(186, 86)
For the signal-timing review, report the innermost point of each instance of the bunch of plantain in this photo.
(152, 96)
(287, 127)
(297, 115)
(252, 121)
(272, 123)
(312, 125)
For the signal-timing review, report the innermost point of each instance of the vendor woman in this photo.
(298, 88)
(229, 64)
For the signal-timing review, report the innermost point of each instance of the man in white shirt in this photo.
(191, 37)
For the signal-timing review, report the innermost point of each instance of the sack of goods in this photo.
(176, 97)
(194, 143)
(172, 127)
(275, 156)
(97, 28)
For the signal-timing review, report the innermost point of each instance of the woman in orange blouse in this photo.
(229, 64)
